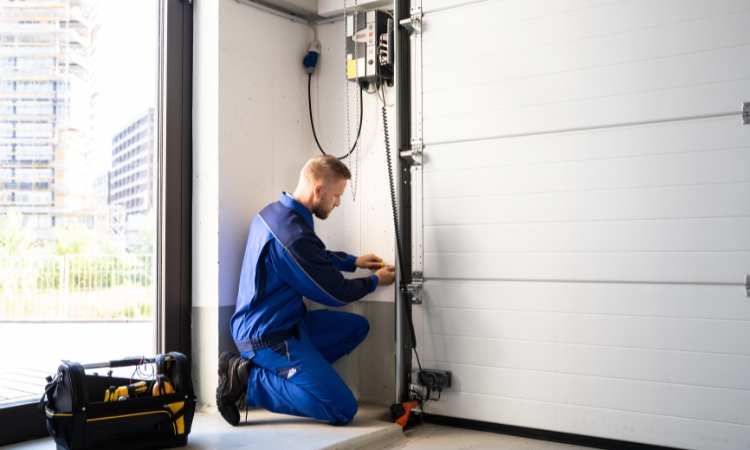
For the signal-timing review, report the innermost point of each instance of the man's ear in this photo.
(318, 191)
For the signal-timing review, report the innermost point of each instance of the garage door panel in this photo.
(717, 405)
(585, 203)
(688, 335)
(706, 267)
(687, 235)
(605, 423)
(654, 139)
(520, 10)
(684, 169)
(682, 71)
(625, 299)
(605, 41)
(645, 107)
(519, 24)
(681, 202)
(659, 366)
(625, 52)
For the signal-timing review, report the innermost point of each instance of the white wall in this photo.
(331, 8)
(205, 276)
(262, 128)
(251, 138)
(364, 225)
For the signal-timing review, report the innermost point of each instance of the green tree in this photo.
(18, 271)
(75, 239)
(15, 238)
(78, 239)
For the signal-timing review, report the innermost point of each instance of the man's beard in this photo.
(321, 213)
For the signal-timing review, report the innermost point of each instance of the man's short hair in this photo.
(325, 168)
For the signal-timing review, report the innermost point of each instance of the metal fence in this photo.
(77, 287)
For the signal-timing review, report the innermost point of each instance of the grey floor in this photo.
(369, 431)
(430, 436)
(36, 353)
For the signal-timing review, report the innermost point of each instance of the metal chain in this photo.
(355, 184)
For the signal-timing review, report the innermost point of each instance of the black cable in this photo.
(312, 124)
(418, 363)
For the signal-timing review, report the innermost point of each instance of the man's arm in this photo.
(307, 267)
(342, 261)
(350, 263)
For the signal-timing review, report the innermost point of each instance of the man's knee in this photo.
(362, 327)
(356, 332)
(345, 410)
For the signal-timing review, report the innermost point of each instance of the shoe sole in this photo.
(223, 370)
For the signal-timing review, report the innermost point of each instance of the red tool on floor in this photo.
(405, 410)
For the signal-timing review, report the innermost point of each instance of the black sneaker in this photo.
(234, 372)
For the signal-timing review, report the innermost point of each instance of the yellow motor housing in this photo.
(162, 387)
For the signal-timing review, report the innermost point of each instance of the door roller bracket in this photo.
(746, 113)
(747, 285)
(414, 155)
(413, 24)
(415, 288)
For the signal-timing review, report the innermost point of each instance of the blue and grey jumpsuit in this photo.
(292, 349)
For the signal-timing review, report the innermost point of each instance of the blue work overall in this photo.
(292, 350)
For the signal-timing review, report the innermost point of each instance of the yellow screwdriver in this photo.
(113, 394)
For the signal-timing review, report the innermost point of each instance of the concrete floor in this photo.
(429, 436)
(265, 430)
(23, 367)
(370, 430)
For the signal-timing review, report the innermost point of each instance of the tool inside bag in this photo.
(153, 409)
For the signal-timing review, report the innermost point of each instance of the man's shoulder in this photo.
(286, 224)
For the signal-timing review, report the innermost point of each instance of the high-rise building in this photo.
(101, 189)
(45, 101)
(131, 181)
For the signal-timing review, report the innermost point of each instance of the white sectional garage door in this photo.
(587, 216)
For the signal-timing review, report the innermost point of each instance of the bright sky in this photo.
(126, 68)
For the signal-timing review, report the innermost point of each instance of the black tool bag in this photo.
(78, 417)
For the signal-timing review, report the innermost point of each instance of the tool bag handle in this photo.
(48, 390)
(134, 361)
(125, 362)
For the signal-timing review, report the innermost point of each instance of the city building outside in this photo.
(77, 174)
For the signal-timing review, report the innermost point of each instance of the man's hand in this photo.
(386, 275)
(371, 262)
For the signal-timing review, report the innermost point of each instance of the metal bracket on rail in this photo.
(415, 288)
(414, 155)
(413, 24)
(746, 113)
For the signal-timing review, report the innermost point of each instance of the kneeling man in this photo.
(286, 351)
